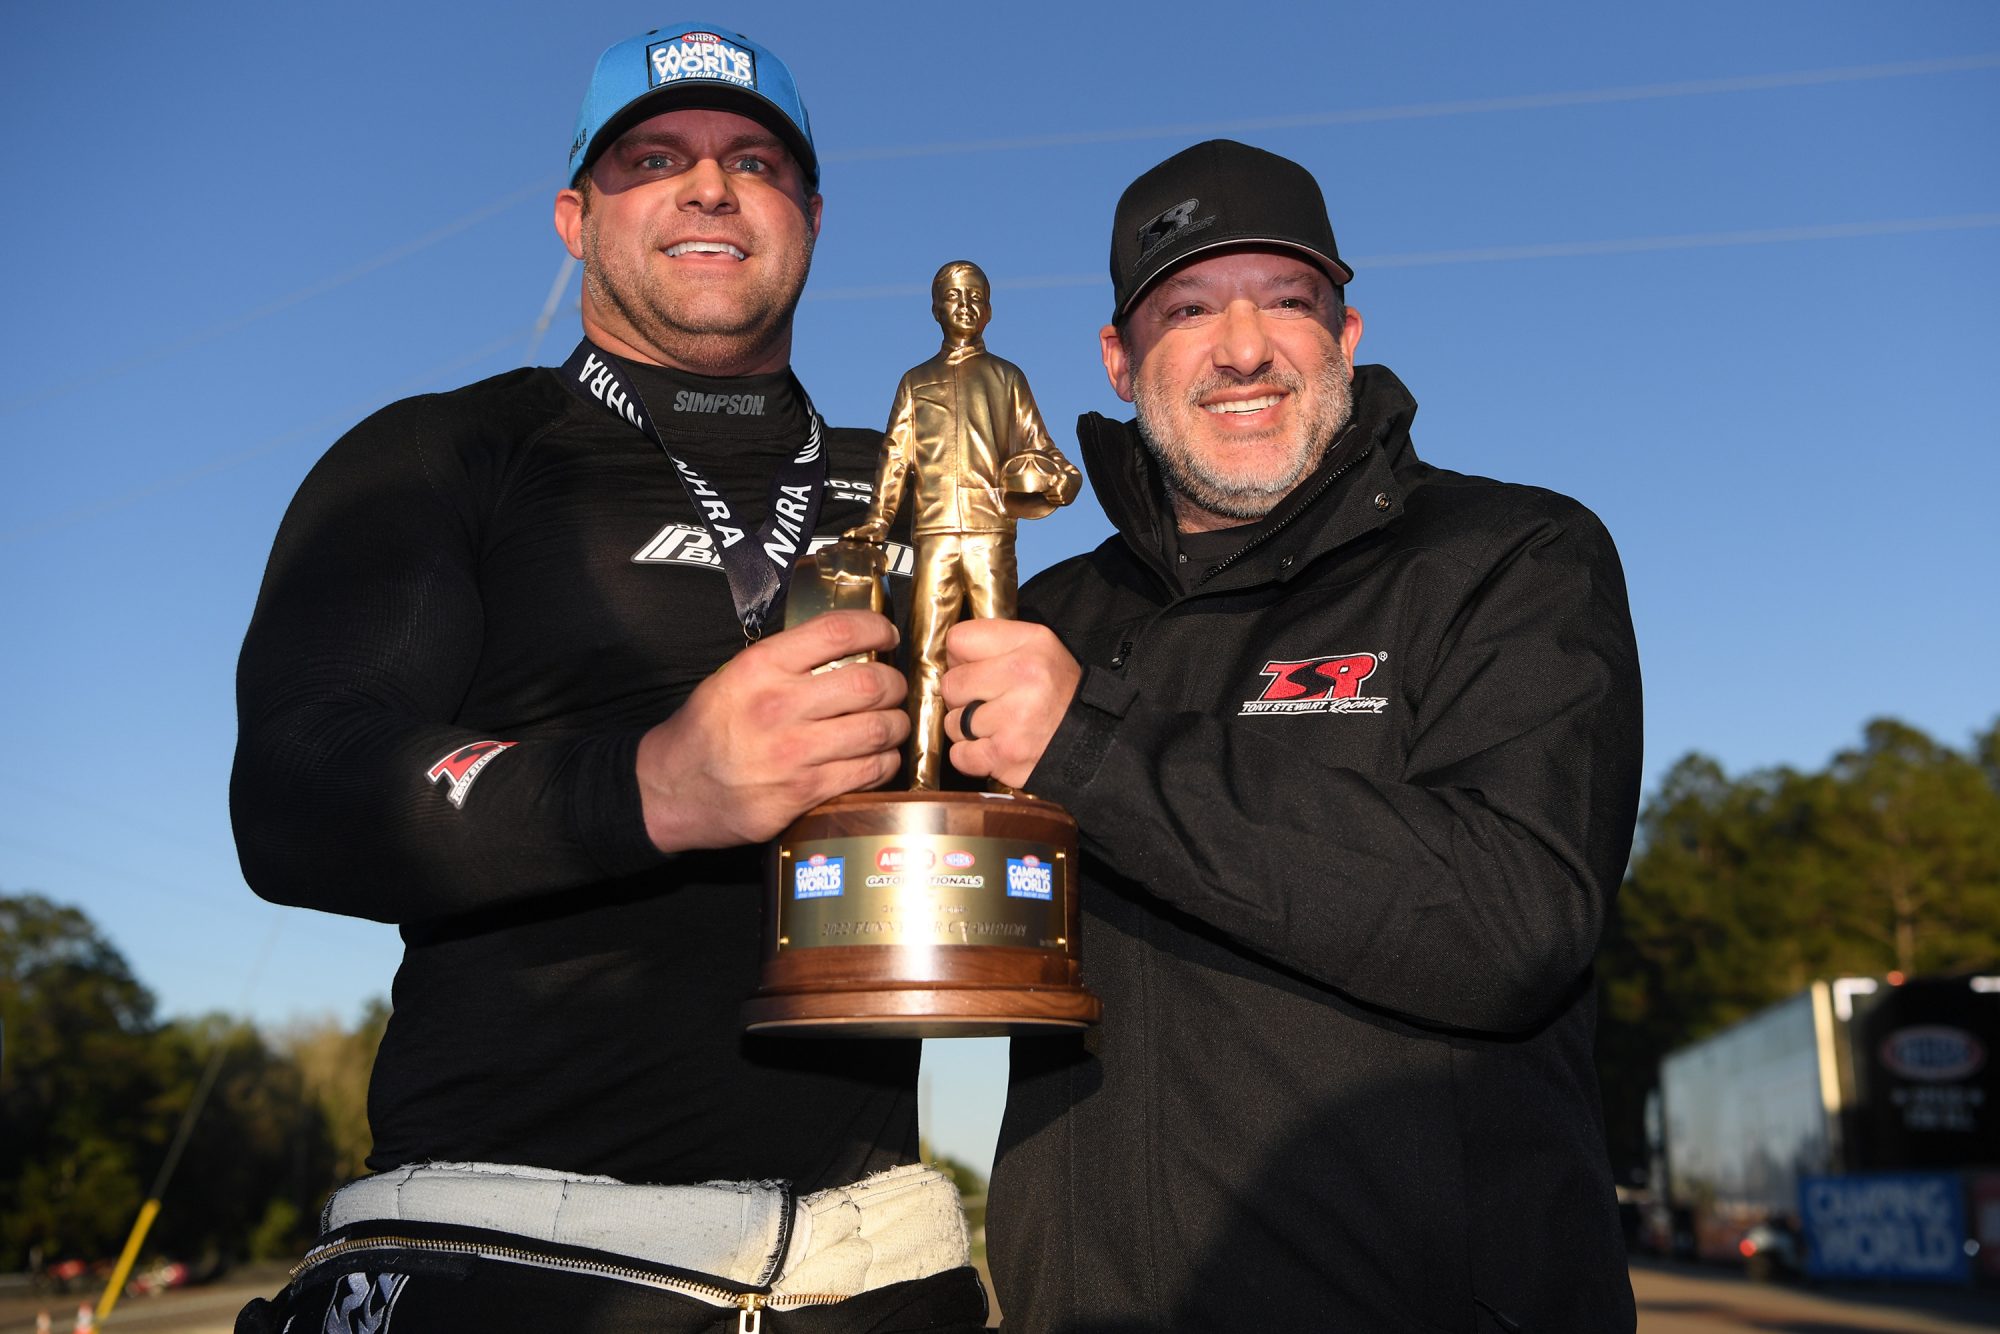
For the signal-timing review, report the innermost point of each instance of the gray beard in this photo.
(1199, 483)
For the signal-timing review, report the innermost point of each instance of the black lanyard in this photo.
(759, 568)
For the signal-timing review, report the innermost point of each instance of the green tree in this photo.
(259, 1147)
(1910, 845)
(1743, 890)
(335, 1064)
(78, 1075)
(93, 1088)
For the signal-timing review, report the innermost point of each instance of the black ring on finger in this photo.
(965, 720)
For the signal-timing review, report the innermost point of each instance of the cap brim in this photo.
(711, 94)
(1336, 271)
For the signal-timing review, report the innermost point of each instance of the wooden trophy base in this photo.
(923, 914)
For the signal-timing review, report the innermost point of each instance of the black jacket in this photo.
(1353, 812)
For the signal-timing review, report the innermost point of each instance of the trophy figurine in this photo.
(923, 912)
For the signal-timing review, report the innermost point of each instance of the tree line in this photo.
(1741, 891)
(93, 1085)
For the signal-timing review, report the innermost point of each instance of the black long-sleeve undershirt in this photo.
(511, 564)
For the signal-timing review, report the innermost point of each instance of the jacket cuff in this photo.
(605, 814)
(1075, 753)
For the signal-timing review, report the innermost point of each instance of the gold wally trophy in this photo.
(926, 913)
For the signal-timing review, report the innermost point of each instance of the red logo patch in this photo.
(1318, 685)
(463, 765)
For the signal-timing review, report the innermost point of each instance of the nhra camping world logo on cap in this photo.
(1319, 685)
(700, 55)
(463, 765)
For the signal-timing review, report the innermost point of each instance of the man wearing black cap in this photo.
(1353, 742)
(508, 686)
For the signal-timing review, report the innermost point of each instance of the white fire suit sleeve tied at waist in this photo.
(904, 1223)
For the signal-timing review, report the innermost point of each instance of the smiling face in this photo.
(1240, 366)
(695, 236)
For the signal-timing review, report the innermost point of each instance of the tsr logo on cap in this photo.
(1170, 224)
(700, 55)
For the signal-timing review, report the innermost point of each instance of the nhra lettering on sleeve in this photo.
(463, 765)
(1330, 684)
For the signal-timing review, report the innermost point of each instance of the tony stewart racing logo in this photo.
(1319, 685)
(463, 765)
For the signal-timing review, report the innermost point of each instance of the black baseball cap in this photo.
(1214, 196)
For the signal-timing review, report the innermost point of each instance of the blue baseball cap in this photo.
(690, 65)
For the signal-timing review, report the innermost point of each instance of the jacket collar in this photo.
(1332, 506)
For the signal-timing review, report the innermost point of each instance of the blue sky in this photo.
(1723, 271)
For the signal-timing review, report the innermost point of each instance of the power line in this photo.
(210, 902)
(1838, 231)
(450, 229)
(1079, 138)
(339, 419)
(1497, 254)
(1644, 92)
(114, 1288)
(1044, 282)
(158, 832)
(563, 273)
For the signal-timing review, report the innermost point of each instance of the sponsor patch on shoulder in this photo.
(463, 765)
(1331, 684)
(700, 55)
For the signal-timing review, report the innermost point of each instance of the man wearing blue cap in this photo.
(509, 686)
(1353, 744)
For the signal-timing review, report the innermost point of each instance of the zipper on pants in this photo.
(750, 1305)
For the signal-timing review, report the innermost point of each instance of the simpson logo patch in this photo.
(685, 544)
(728, 405)
(463, 765)
(700, 55)
(1318, 685)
